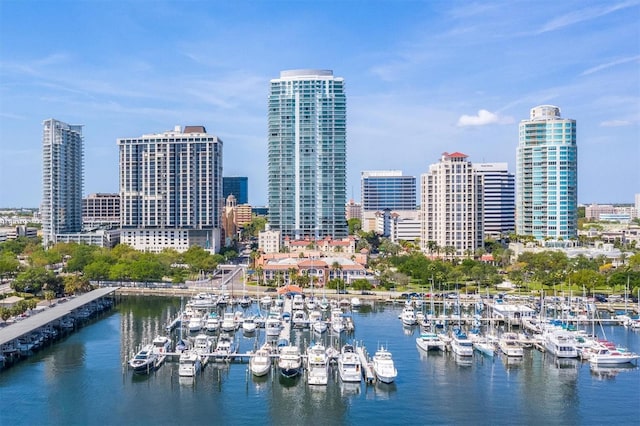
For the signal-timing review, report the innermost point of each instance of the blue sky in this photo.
(422, 78)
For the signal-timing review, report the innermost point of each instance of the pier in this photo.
(31, 324)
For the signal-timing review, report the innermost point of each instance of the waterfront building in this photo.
(62, 179)
(307, 154)
(547, 175)
(171, 190)
(609, 212)
(281, 268)
(269, 241)
(387, 189)
(101, 210)
(498, 199)
(238, 186)
(451, 206)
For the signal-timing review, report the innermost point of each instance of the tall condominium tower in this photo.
(238, 186)
(498, 199)
(62, 180)
(547, 175)
(171, 190)
(307, 154)
(388, 189)
(451, 207)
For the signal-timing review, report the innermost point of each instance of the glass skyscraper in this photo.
(238, 186)
(62, 180)
(498, 198)
(388, 189)
(547, 175)
(307, 154)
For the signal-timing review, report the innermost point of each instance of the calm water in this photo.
(82, 381)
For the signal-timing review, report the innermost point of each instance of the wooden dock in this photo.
(367, 366)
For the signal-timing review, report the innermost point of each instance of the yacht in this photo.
(245, 301)
(310, 303)
(190, 364)
(429, 341)
(249, 325)
(297, 303)
(290, 361)
(461, 345)
(299, 319)
(260, 362)
(355, 302)
(161, 345)
(213, 322)
(485, 346)
(408, 316)
(224, 348)
(561, 343)
(349, 366)
(202, 346)
(317, 365)
(603, 355)
(266, 301)
(195, 323)
(144, 361)
(510, 346)
(273, 326)
(383, 366)
(317, 323)
(337, 324)
(228, 322)
(324, 304)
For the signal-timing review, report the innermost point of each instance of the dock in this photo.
(31, 324)
(285, 333)
(367, 366)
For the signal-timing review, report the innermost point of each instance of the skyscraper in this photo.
(388, 190)
(62, 179)
(451, 207)
(547, 175)
(171, 190)
(498, 198)
(238, 186)
(307, 154)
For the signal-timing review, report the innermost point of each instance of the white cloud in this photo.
(615, 123)
(610, 64)
(587, 14)
(483, 118)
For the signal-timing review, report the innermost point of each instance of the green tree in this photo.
(355, 225)
(9, 265)
(32, 280)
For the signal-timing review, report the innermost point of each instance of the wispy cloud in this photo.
(615, 123)
(582, 15)
(610, 64)
(483, 118)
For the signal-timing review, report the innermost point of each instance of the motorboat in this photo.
(161, 345)
(349, 366)
(337, 323)
(355, 302)
(144, 361)
(383, 366)
(266, 301)
(249, 325)
(297, 303)
(224, 347)
(408, 316)
(484, 346)
(317, 323)
(317, 365)
(228, 322)
(324, 304)
(202, 346)
(245, 301)
(260, 362)
(310, 303)
(290, 361)
(429, 341)
(213, 322)
(195, 323)
(460, 344)
(603, 355)
(561, 343)
(510, 346)
(299, 319)
(272, 326)
(190, 364)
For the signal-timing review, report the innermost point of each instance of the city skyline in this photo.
(423, 78)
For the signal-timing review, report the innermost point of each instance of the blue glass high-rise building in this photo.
(307, 154)
(388, 190)
(547, 175)
(238, 186)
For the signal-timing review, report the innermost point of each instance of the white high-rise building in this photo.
(547, 175)
(498, 198)
(451, 206)
(171, 190)
(307, 154)
(62, 180)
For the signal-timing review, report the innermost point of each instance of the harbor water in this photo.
(83, 380)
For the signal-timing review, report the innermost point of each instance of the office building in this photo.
(353, 210)
(238, 186)
(101, 210)
(498, 199)
(62, 180)
(171, 190)
(547, 176)
(387, 190)
(451, 207)
(307, 155)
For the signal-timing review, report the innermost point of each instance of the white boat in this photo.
(429, 341)
(266, 301)
(189, 364)
(290, 361)
(324, 304)
(161, 345)
(355, 302)
(224, 347)
(310, 303)
(202, 346)
(383, 366)
(228, 322)
(260, 362)
(337, 323)
(349, 366)
(317, 365)
(317, 323)
(144, 361)
(607, 356)
(249, 325)
(272, 326)
(408, 316)
(195, 323)
(245, 301)
(484, 346)
(461, 345)
(299, 319)
(561, 343)
(297, 303)
(510, 346)
(213, 322)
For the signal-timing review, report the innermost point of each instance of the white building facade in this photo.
(498, 199)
